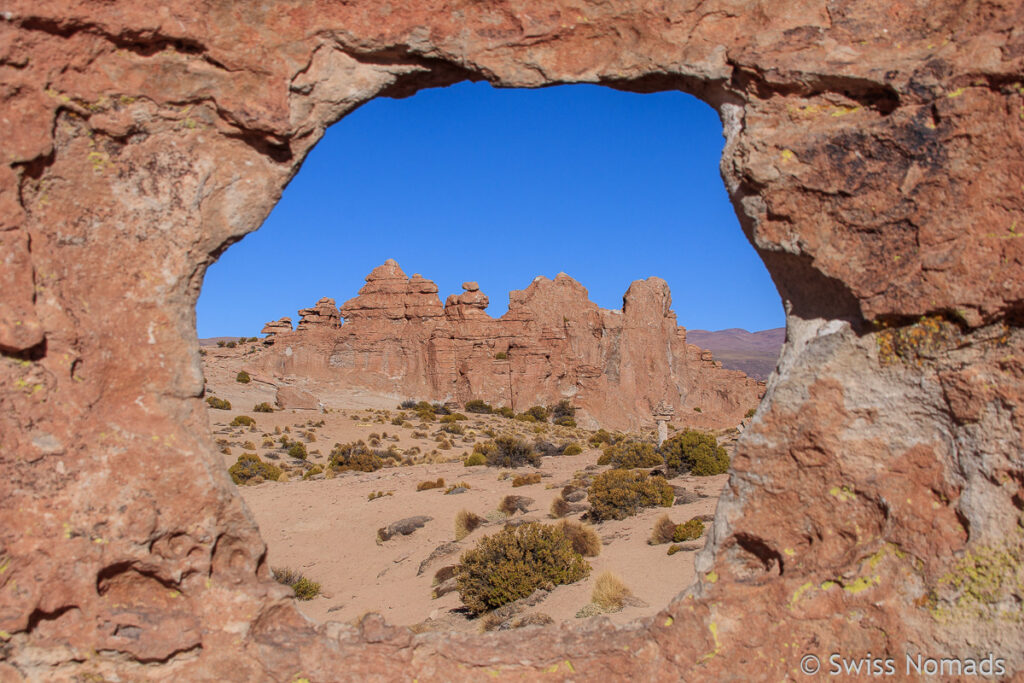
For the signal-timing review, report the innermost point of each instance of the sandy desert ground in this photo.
(327, 527)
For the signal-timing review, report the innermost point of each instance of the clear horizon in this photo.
(472, 183)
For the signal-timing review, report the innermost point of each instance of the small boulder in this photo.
(402, 527)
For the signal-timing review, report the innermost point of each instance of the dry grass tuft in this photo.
(526, 480)
(610, 593)
(584, 539)
(427, 485)
(465, 523)
(559, 508)
(664, 530)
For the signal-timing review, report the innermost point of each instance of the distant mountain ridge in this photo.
(755, 353)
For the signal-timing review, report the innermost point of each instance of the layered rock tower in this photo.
(552, 344)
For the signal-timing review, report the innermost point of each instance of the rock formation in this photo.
(873, 154)
(323, 315)
(276, 327)
(553, 344)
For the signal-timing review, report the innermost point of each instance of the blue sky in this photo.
(475, 183)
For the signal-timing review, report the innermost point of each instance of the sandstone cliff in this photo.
(553, 343)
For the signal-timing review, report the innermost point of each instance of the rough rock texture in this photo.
(295, 398)
(323, 315)
(554, 343)
(874, 154)
(275, 327)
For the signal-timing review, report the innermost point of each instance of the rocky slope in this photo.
(754, 353)
(552, 344)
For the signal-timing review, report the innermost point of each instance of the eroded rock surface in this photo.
(874, 155)
(553, 344)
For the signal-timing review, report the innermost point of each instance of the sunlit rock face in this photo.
(553, 344)
(873, 154)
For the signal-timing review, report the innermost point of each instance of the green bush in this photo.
(505, 411)
(312, 471)
(599, 437)
(218, 403)
(475, 458)
(243, 421)
(249, 466)
(263, 408)
(501, 355)
(231, 345)
(688, 531)
(750, 413)
(453, 417)
(630, 454)
(515, 562)
(478, 406)
(695, 452)
(303, 587)
(526, 417)
(356, 457)
(243, 377)
(572, 449)
(220, 344)
(508, 451)
(298, 450)
(540, 413)
(617, 494)
(563, 413)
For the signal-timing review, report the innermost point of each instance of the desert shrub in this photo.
(407, 404)
(688, 531)
(547, 449)
(478, 406)
(218, 403)
(526, 479)
(505, 411)
(263, 408)
(475, 458)
(501, 355)
(427, 485)
(695, 452)
(617, 494)
(509, 505)
(599, 437)
(298, 450)
(454, 417)
(457, 485)
(220, 344)
(354, 456)
(397, 420)
(314, 470)
(249, 466)
(452, 428)
(466, 523)
(610, 593)
(750, 413)
(525, 417)
(379, 494)
(584, 539)
(572, 449)
(514, 562)
(664, 531)
(242, 421)
(540, 413)
(559, 508)
(231, 344)
(243, 377)
(697, 410)
(303, 587)
(507, 451)
(249, 446)
(444, 444)
(564, 413)
(630, 454)
(674, 548)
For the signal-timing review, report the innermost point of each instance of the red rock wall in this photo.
(552, 344)
(874, 154)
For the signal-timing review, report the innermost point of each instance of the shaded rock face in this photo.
(554, 343)
(874, 156)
